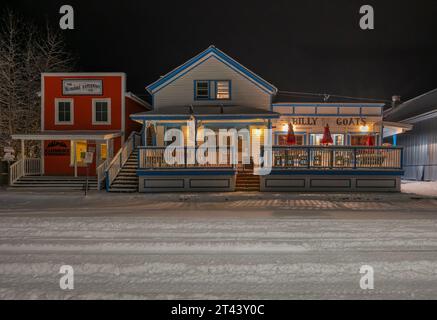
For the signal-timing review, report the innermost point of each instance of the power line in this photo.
(326, 96)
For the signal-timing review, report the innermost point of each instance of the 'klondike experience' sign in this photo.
(75, 87)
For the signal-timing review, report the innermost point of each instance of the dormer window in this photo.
(222, 90)
(212, 90)
(202, 90)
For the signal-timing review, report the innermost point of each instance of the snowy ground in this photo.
(242, 246)
(425, 188)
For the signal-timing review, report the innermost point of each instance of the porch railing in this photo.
(285, 157)
(184, 157)
(337, 157)
(24, 167)
(100, 170)
(118, 161)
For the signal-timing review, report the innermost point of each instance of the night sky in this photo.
(304, 46)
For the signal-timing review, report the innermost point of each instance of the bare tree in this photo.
(25, 52)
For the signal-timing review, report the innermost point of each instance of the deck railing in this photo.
(154, 158)
(121, 157)
(337, 157)
(287, 157)
(24, 167)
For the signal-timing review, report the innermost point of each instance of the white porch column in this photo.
(22, 149)
(145, 132)
(42, 157)
(23, 165)
(74, 157)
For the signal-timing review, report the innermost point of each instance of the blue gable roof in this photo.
(165, 80)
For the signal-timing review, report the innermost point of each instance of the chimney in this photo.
(395, 101)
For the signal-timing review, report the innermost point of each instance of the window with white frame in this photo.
(64, 111)
(101, 111)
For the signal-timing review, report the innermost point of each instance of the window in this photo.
(358, 140)
(202, 90)
(282, 139)
(64, 111)
(101, 111)
(212, 89)
(222, 90)
(103, 151)
(316, 139)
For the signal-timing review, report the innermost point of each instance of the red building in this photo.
(80, 113)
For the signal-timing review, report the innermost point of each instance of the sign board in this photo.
(80, 87)
(8, 157)
(8, 150)
(88, 157)
(315, 121)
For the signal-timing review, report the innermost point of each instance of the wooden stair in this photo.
(54, 183)
(246, 180)
(127, 179)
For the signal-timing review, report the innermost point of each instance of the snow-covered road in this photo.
(161, 247)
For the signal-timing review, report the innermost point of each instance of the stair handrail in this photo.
(24, 167)
(16, 171)
(101, 171)
(120, 158)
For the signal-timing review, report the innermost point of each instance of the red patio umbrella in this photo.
(291, 138)
(327, 139)
(370, 141)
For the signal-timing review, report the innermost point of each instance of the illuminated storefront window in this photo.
(103, 152)
(282, 139)
(81, 148)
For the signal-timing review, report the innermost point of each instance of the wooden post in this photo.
(145, 133)
(23, 165)
(75, 158)
(42, 157)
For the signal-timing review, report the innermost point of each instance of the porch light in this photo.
(364, 128)
(285, 127)
(257, 132)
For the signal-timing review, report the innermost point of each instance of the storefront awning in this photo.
(69, 135)
(205, 112)
(392, 128)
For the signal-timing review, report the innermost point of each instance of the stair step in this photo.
(123, 190)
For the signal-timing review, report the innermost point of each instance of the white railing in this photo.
(185, 157)
(24, 167)
(101, 169)
(121, 157)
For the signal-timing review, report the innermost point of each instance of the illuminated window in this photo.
(81, 148)
(316, 139)
(222, 90)
(338, 139)
(358, 140)
(282, 140)
(101, 111)
(103, 152)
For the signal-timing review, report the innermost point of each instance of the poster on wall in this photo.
(80, 87)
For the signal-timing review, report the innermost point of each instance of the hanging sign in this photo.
(88, 157)
(78, 87)
(8, 150)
